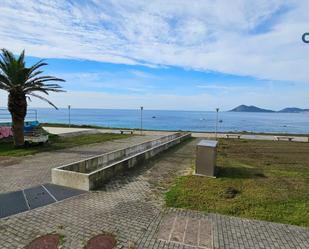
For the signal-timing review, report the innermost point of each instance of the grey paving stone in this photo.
(130, 207)
(34, 170)
(38, 197)
(205, 234)
(12, 203)
(166, 227)
(61, 192)
(191, 236)
(178, 232)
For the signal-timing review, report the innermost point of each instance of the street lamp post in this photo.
(217, 110)
(69, 108)
(36, 115)
(142, 108)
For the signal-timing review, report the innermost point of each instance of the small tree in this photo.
(21, 83)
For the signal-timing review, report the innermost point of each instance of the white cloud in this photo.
(203, 34)
(129, 81)
(202, 101)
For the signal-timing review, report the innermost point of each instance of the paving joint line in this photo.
(26, 200)
(198, 232)
(172, 230)
(49, 193)
(186, 226)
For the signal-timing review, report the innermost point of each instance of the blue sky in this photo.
(128, 79)
(178, 55)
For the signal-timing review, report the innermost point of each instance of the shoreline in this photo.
(62, 125)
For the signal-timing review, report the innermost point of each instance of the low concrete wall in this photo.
(93, 172)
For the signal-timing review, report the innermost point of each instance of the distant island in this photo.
(252, 108)
(294, 110)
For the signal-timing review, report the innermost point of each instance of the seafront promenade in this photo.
(154, 124)
(65, 131)
(131, 207)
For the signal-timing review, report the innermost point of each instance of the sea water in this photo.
(203, 121)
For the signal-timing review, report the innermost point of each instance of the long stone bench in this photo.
(94, 172)
(233, 136)
(284, 138)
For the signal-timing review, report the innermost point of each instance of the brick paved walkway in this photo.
(185, 229)
(21, 173)
(130, 208)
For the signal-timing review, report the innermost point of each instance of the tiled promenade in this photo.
(130, 207)
(295, 138)
(29, 171)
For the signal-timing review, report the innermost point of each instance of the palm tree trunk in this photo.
(18, 131)
(17, 105)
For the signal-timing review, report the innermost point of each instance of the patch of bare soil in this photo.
(161, 171)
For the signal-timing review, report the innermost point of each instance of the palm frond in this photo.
(33, 74)
(43, 79)
(4, 87)
(3, 65)
(12, 68)
(43, 85)
(7, 56)
(21, 59)
(4, 80)
(14, 75)
(36, 66)
(41, 89)
(44, 99)
(36, 89)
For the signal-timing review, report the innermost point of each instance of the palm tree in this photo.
(22, 83)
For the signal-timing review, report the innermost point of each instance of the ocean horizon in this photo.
(199, 121)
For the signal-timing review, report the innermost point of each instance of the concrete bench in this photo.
(126, 131)
(233, 136)
(284, 138)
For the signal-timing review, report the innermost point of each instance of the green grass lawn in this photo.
(265, 180)
(56, 143)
